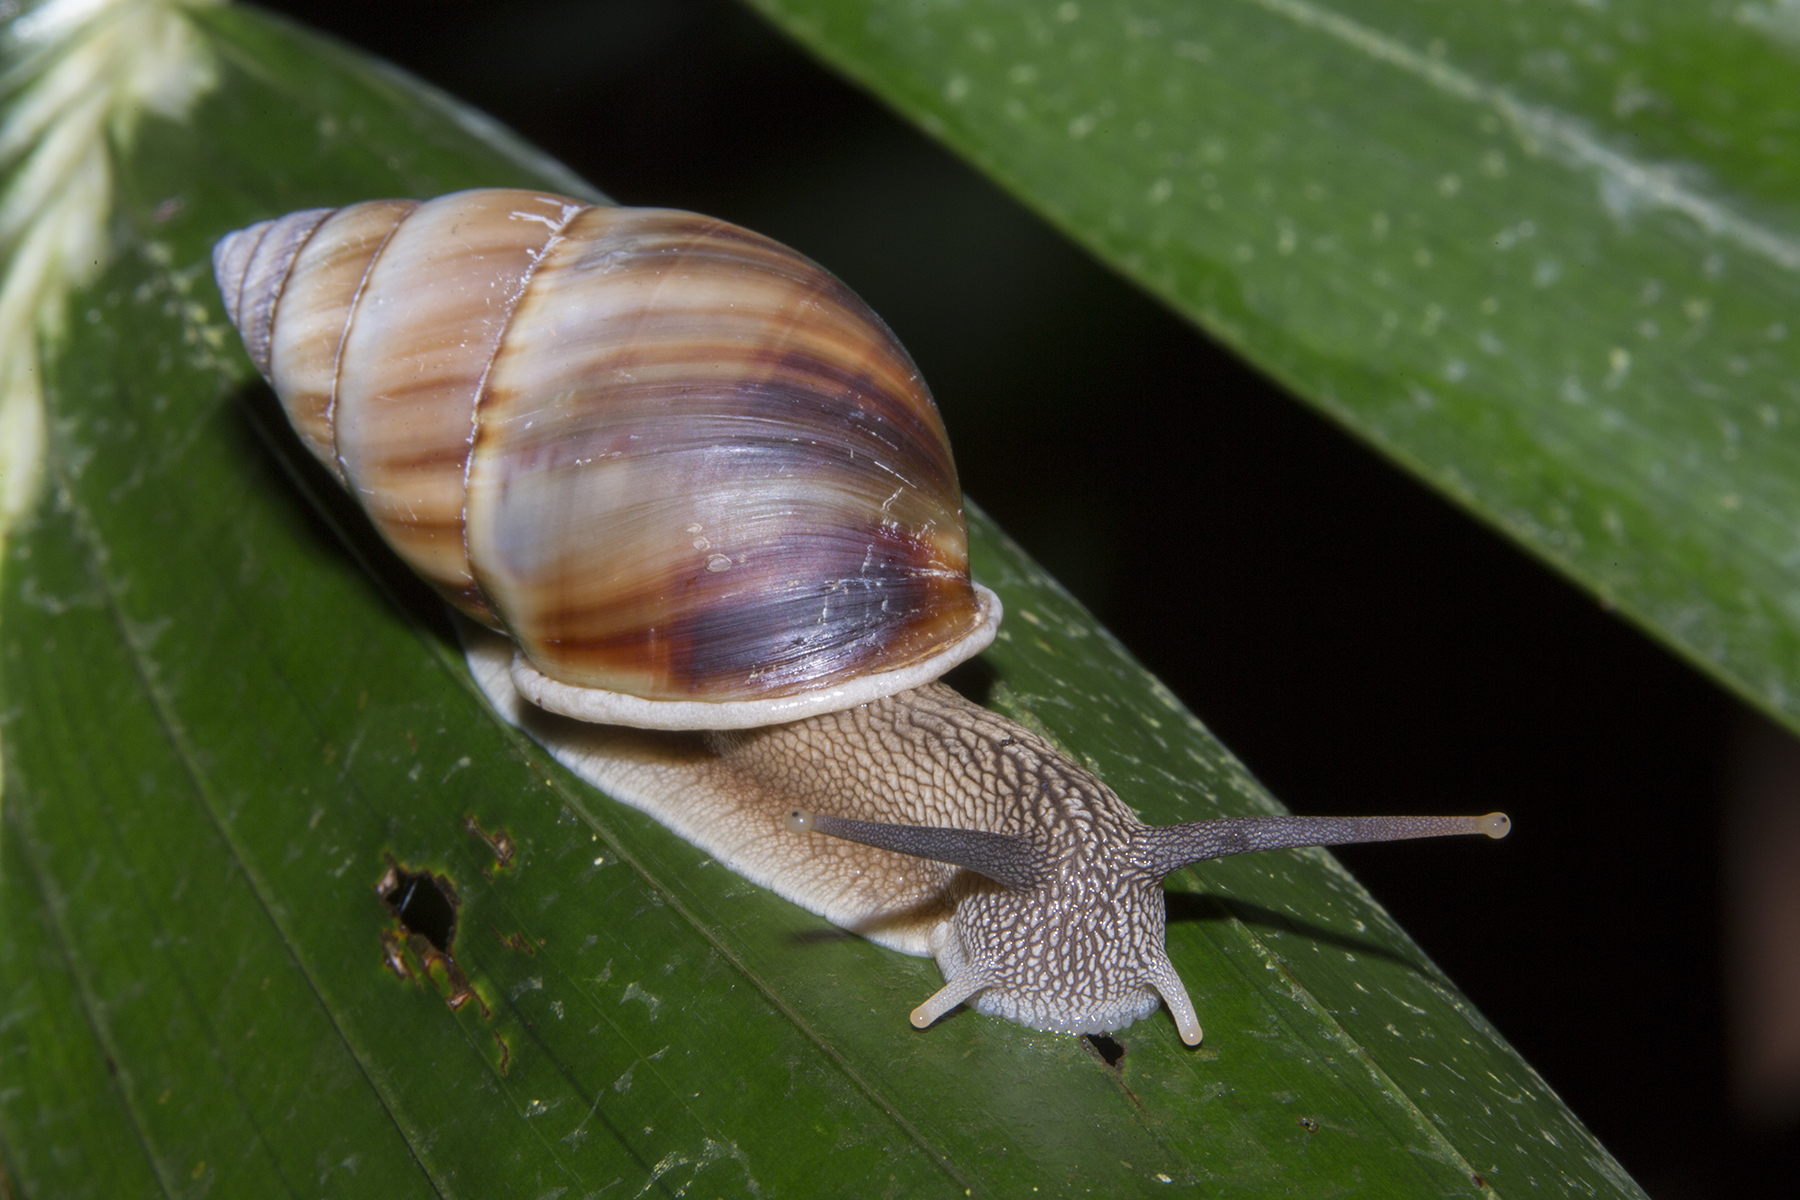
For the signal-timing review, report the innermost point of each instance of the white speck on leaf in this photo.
(710, 1152)
(1619, 366)
(647, 999)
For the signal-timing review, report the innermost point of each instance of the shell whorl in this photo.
(251, 266)
(680, 464)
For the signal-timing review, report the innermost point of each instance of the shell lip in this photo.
(603, 707)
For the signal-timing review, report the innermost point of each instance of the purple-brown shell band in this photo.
(617, 708)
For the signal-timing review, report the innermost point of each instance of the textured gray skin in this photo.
(1079, 947)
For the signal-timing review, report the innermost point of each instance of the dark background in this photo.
(1364, 646)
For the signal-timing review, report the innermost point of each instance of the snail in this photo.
(696, 486)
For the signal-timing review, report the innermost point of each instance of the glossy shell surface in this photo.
(671, 458)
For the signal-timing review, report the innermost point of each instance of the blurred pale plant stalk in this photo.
(79, 76)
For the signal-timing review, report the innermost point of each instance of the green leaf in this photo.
(1547, 257)
(230, 714)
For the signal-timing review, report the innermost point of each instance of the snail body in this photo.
(691, 483)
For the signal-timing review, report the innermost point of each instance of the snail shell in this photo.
(695, 480)
(698, 485)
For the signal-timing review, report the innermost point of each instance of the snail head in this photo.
(1062, 928)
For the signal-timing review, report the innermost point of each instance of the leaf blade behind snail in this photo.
(1611, 417)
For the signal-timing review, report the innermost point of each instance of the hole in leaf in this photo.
(423, 903)
(424, 908)
(1110, 1051)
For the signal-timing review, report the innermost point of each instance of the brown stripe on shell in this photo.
(433, 309)
(910, 443)
(793, 307)
(767, 538)
(720, 651)
(756, 454)
(314, 311)
(750, 396)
